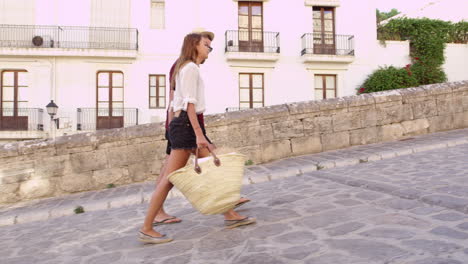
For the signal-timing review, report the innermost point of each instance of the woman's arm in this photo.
(201, 139)
(170, 111)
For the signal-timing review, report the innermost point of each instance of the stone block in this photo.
(35, 188)
(9, 150)
(333, 104)
(362, 100)
(423, 109)
(88, 161)
(368, 118)
(447, 104)
(393, 114)
(391, 132)
(414, 94)
(253, 153)
(77, 182)
(318, 124)
(75, 143)
(154, 131)
(241, 135)
(306, 145)
(337, 140)
(364, 136)
(387, 96)
(36, 147)
(415, 127)
(303, 107)
(106, 176)
(16, 172)
(346, 121)
(9, 193)
(249, 115)
(465, 102)
(288, 129)
(266, 133)
(117, 157)
(460, 120)
(437, 89)
(440, 123)
(52, 166)
(140, 171)
(276, 150)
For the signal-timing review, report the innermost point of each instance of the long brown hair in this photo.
(188, 53)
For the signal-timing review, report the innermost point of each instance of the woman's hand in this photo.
(202, 142)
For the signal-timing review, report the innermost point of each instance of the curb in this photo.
(296, 166)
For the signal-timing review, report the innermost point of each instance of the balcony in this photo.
(21, 119)
(90, 119)
(31, 40)
(21, 123)
(322, 47)
(252, 45)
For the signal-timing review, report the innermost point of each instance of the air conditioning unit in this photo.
(37, 41)
(43, 41)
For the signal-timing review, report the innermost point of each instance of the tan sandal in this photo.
(145, 238)
(241, 222)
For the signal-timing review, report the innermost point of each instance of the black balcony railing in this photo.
(252, 41)
(21, 119)
(102, 118)
(321, 43)
(31, 36)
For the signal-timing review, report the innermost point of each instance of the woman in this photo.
(186, 132)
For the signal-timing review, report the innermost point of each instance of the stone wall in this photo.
(89, 161)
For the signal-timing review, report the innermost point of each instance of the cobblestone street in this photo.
(410, 209)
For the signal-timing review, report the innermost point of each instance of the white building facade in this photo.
(106, 63)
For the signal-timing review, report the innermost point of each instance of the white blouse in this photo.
(189, 89)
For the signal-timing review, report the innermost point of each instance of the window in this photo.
(157, 14)
(157, 91)
(325, 86)
(110, 13)
(110, 99)
(251, 90)
(251, 26)
(14, 93)
(324, 30)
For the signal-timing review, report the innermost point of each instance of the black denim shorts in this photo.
(181, 134)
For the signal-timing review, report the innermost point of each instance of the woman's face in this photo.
(203, 49)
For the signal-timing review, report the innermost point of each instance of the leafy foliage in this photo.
(428, 38)
(388, 78)
(381, 16)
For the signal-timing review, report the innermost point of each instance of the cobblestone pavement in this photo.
(405, 209)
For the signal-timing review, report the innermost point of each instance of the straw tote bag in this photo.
(213, 186)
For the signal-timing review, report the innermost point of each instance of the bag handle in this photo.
(216, 161)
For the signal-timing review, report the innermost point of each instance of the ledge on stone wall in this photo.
(89, 161)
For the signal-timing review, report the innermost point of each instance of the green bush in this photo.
(427, 74)
(428, 38)
(388, 78)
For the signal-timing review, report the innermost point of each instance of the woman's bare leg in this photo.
(162, 215)
(177, 160)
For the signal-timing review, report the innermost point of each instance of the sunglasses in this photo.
(210, 49)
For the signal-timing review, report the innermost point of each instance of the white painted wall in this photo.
(455, 66)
